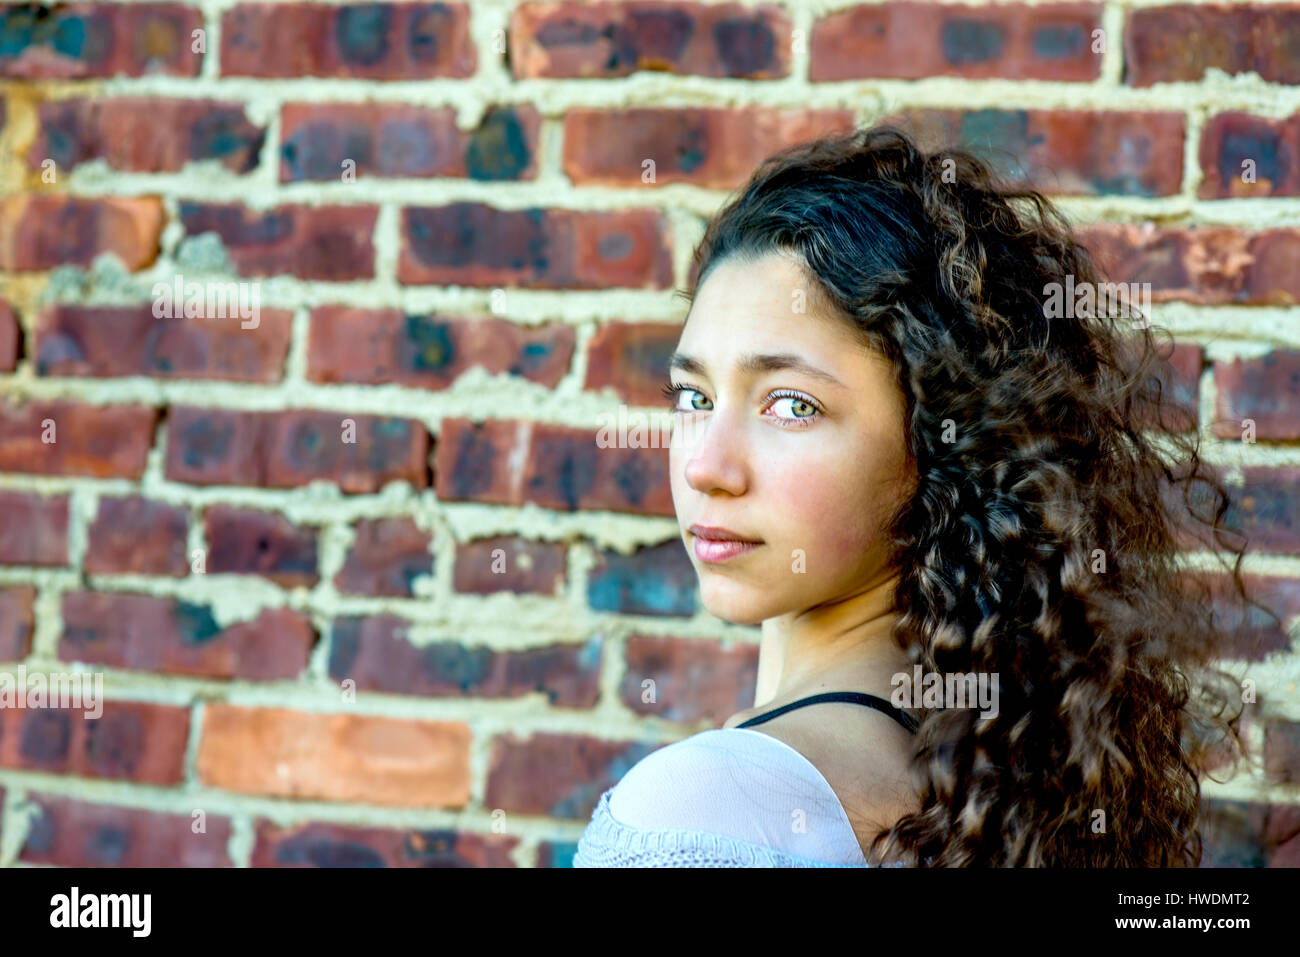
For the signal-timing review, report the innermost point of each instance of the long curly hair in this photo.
(1058, 485)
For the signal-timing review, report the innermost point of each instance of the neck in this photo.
(845, 645)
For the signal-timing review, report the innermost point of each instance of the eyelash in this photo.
(670, 392)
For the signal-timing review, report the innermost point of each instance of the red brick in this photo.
(509, 563)
(470, 244)
(556, 775)
(571, 39)
(135, 39)
(378, 41)
(1208, 265)
(510, 463)
(1179, 377)
(374, 651)
(386, 557)
(1267, 509)
(1248, 834)
(17, 621)
(131, 740)
(146, 134)
(104, 441)
(1282, 751)
(112, 341)
(1265, 389)
(1233, 833)
(359, 759)
(291, 448)
(11, 338)
(400, 139)
(915, 40)
(1172, 44)
(1272, 146)
(72, 833)
(632, 359)
(714, 148)
(318, 844)
(378, 346)
(1253, 633)
(149, 633)
(33, 529)
(1064, 152)
(134, 536)
(1282, 836)
(310, 242)
(245, 541)
(653, 580)
(41, 232)
(694, 680)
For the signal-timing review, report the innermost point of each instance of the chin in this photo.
(739, 609)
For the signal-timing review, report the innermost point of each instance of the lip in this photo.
(715, 545)
(716, 533)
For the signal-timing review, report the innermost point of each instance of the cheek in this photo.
(820, 512)
(834, 515)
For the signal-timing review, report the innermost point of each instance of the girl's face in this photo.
(802, 451)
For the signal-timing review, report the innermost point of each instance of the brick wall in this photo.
(427, 639)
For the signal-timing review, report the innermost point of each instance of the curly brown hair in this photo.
(1042, 542)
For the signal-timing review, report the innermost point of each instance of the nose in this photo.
(717, 456)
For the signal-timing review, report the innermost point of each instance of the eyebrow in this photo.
(752, 363)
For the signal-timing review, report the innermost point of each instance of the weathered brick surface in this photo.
(1248, 156)
(393, 139)
(631, 358)
(76, 40)
(131, 740)
(11, 338)
(276, 752)
(33, 529)
(292, 448)
(108, 342)
(386, 557)
(134, 536)
(1065, 152)
(509, 563)
(510, 463)
(311, 242)
(914, 40)
(1267, 509)
(147, 633)
(44, 231)
(1178, 43)
(71, 833)
(1265, 390)
(713, 148)
(146, 134)
(376, 346)
(245, 541)
(471, 244)
(1206, 265)
(653, 580)
(379, 41)
(558, 775)
(375, 653)
(606, 39)
(318, 844)
(17, 620)
(687, 680)
(67, 437)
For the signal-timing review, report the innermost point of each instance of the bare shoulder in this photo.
(864, 756)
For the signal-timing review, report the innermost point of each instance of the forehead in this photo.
(769, 302)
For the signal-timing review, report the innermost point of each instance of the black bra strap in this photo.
(851, 697)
